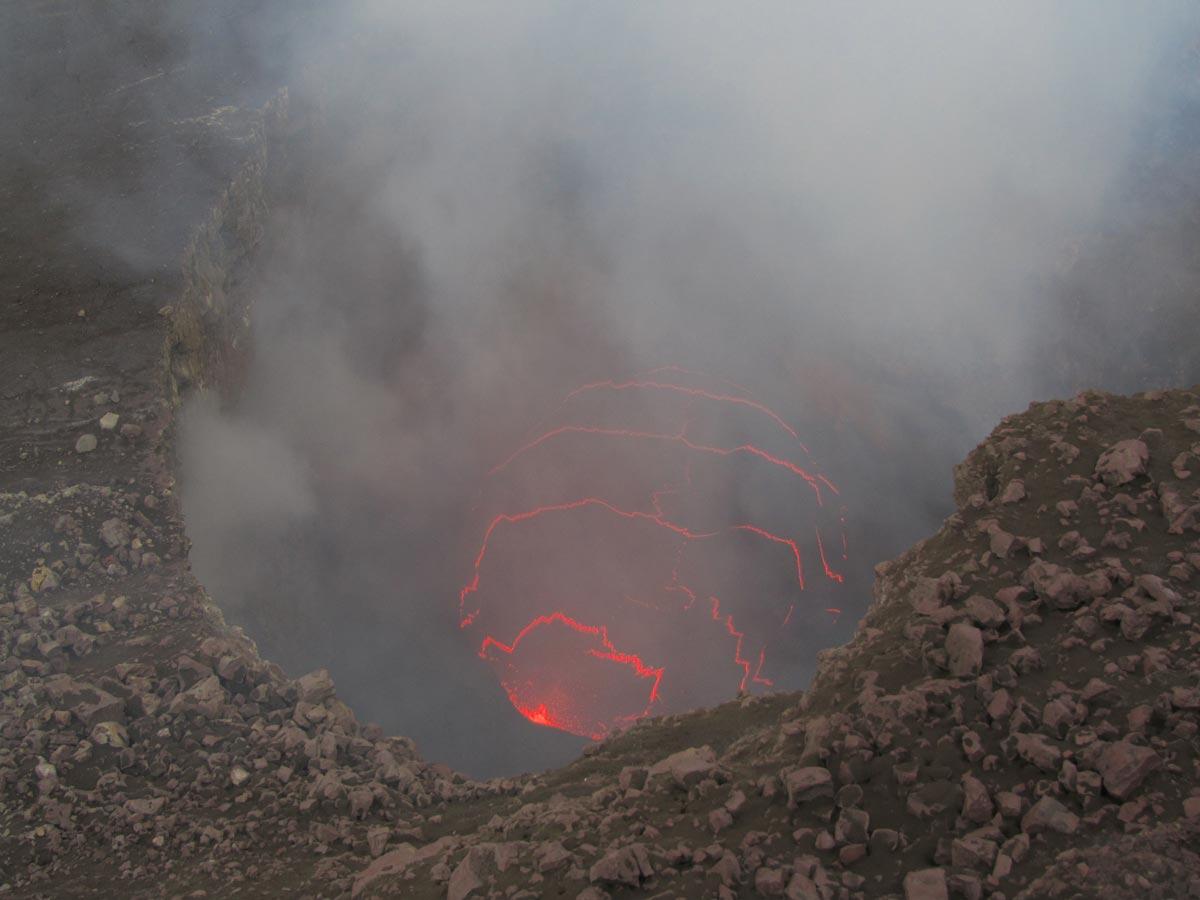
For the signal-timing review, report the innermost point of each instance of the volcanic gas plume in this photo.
(644, 549)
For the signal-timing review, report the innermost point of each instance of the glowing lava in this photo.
(553, 695)
(609, 524)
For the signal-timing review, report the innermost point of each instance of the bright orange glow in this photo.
(538, 715)
(589, 655)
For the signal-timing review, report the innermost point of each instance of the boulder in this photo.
(472, 874)
(1058, 586)
(115, 533)
(1049, 815)
(687, 767)
(394, 862)
(315, 687)
(964, 650)
(627, 865)
(1037, 750)
(926, 884)
(1122, 462)
(1124, 765)
(86, 702)
(985, 612)
(807, 784)
(205, 696)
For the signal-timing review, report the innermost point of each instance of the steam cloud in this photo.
(880, 217)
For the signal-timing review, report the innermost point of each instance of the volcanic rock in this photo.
(1122, 462)
(205, 696)
(110, 734)
(628, 866)
(1049, 815)
(803, 785)
(851, 827)
(552, 856)
(391, 863)
(801, 887)
(115, 533)
(86, 702)
(1124, 766)
(973, 852)
(1058, 586)
(472, 874)
(315, 687)
(687, 767)
(964, 650)
(985, 612)
(977, 803)
(1014, 492)
(926, 884)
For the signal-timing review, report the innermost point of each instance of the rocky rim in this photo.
(1016, 716)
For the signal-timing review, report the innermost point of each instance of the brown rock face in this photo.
(926, 884)
(391, 863)
(1049, 815)
(807, 784)
(686, 767)
(471, 875)
(1122, 462)
(86, 702)
(1124, 766)
(628, 866)
(964, 650)
(1057, 585)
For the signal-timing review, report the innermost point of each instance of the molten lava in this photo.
(608, 524)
